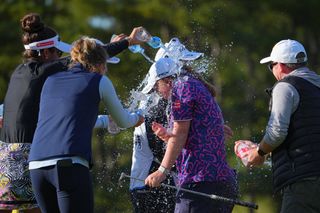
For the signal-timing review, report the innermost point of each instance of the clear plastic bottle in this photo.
(143, 35)
(155, 42)
(113, 127)
(242, 147)
(241, 150)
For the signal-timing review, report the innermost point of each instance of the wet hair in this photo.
(35, 30)
(212, 89)
(89, 53)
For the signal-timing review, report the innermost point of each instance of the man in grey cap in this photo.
(293, 131)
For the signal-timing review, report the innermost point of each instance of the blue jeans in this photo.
(64, 189)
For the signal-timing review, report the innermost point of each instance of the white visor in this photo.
(48, 43)
(175, 49)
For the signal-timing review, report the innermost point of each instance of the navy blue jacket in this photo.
(68, 111)
(298, 156)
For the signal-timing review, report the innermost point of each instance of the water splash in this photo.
(143, 102)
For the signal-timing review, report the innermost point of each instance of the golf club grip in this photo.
(235, 201)
(247, 204)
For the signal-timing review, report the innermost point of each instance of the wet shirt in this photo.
(204, 157)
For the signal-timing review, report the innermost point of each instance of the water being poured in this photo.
(180, 55)
(143, 102)
(138, 49)
(138, 102)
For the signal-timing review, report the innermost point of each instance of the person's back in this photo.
(69, 108)
(60, 156)
(22, 100)
(21, 107)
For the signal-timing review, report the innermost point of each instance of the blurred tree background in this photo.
(233, 34)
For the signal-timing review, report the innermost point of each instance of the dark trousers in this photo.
(302, 196)
(192, 203)
(154, 200)
(64, 189)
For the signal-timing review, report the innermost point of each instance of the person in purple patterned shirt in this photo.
(195, 139)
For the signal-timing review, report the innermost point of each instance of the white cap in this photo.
(174, 49)
(47, 43)
(162, 68)
(112, 60)
(287, 52)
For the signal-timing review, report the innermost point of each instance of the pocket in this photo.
(65, 175)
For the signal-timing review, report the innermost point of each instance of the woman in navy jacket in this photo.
(60, 155)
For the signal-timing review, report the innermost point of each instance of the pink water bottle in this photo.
(241, 148)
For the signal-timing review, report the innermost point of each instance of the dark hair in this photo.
(35, 30)
(212, 89)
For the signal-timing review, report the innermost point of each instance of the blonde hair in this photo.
(89, 53)
(212, 89)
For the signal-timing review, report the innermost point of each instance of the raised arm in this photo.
(120, 115)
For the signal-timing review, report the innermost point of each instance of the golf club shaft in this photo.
(211, 196)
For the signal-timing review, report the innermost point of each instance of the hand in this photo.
(119, 37)
(249, 156)
(254, 159)
(155, 179)
(242, 148)
(160, 131)
(228, 133)
(132, 38)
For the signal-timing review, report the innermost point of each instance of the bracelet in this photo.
(260, 151)
(164, 170)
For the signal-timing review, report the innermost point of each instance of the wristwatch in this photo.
(260, 151)
(163, 170)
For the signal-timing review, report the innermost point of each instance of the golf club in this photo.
(211, 196)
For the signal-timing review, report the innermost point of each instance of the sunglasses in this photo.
(271, 65)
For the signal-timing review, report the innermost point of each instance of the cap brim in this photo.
(265, 60)
(150, 79)
(190, 56)
(113, 60)
(64, 47)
